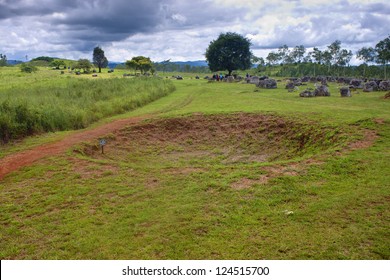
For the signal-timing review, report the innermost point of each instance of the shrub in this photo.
(28, 68)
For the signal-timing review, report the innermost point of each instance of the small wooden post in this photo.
(102, 143)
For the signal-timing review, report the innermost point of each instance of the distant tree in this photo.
(230, 51)
(367, 55)
(165, 64)
(260, 64)
(3, 60)
(57, 63)
(141, 63)
(327, 58)
(258, 60)
(344, 58)
(334, 50)
(317, 55)
(43, 58)
(273, 58)
(99, 60)
(132, 64)
(298, 53)
(284, 54)
(383, 53)
(84, 64)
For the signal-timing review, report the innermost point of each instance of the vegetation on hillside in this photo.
(72, 105)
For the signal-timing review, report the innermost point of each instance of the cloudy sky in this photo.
(181, 30)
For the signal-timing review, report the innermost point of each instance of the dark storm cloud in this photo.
(102, 21)
(21, 8)
(121, 18)
(97, 21)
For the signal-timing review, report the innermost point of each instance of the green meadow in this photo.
(48, 104)
(216, 171)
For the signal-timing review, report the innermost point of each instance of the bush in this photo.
(28, 68)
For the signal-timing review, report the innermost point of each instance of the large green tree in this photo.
(230, 51)
(99, 59)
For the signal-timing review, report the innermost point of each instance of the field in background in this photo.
(56, 103)
(219, 171)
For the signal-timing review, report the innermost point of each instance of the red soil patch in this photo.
(16, 161)
(292, 169)
(368, 140)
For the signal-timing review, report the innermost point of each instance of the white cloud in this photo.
(182, 30)
(179, 18)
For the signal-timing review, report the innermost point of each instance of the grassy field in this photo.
(57, 104)
(219, 171)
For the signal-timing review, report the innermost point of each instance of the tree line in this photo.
(333, 60)
(231, 51)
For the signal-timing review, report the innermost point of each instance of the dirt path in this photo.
(18, 160)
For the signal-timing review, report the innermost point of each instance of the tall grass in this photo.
(73, 104)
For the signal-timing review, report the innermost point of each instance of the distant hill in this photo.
(113, 64)
(192, 63)
(13, 62)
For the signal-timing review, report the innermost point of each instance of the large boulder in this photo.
(290, 85)
(322, 90)
(355, 83)
(345, 92)
(384, 85)
(230, 79)
(307, 93)
(267, 83)
(253, 80)
(370, 86)
(298, 82)
(341, 80)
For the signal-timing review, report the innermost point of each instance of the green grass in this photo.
(166, 188)
(68, 103)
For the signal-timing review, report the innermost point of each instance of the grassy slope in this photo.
(135, 206)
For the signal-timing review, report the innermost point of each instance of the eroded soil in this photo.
(227, 138)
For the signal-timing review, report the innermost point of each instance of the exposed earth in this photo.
(16, 161)
(240, 137)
